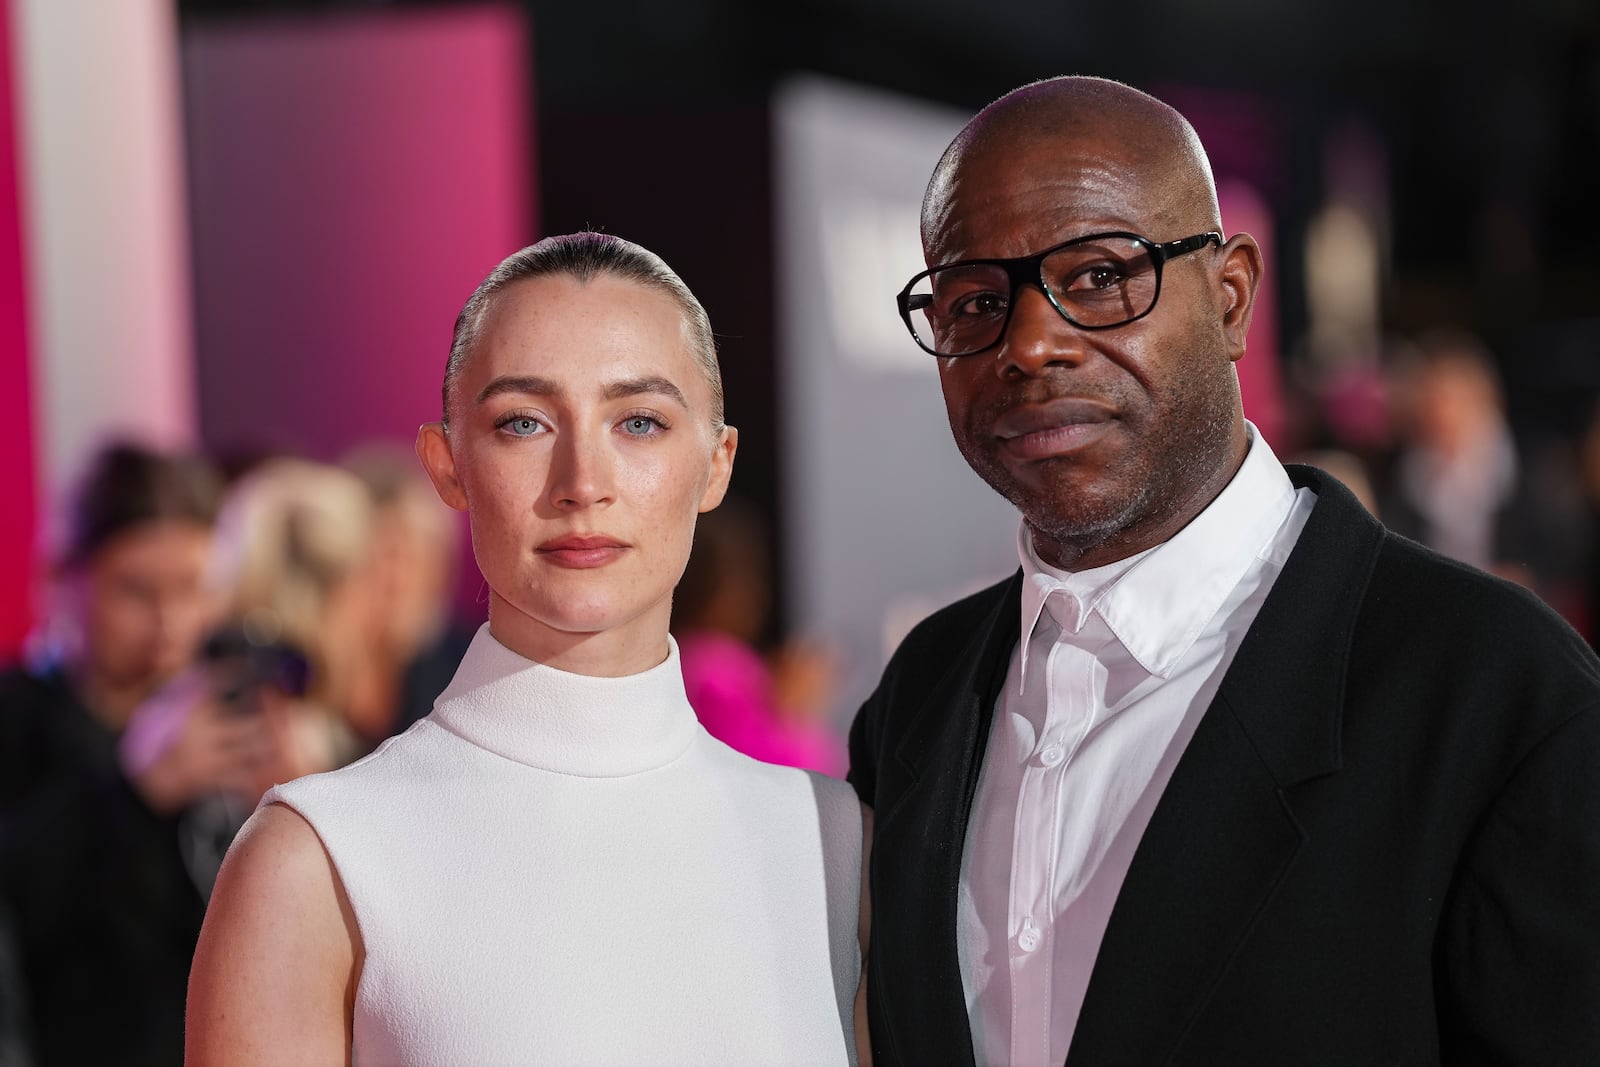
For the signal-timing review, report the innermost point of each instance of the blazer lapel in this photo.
(1224, 832)
(917, 847)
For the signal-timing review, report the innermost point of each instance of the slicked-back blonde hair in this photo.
(581, 256)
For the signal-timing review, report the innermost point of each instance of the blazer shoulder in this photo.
(1476, 613)
(1407, 596)
(1482, 670)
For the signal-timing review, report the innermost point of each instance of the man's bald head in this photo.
(1108, 438)
(1152, 146)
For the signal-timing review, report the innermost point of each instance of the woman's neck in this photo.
(631, 648)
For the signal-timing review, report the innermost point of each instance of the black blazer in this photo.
(1382, 845)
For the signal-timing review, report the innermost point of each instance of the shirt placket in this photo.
(1069, 713)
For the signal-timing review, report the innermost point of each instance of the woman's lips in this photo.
(1054, 428)
(581, 552)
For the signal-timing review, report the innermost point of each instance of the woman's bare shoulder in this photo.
(277, 872)
(279, 954)
(280, 833)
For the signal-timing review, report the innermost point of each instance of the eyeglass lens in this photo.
(1105, 282)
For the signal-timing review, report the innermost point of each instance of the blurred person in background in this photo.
(417, 640)
(1453, 479)
(771, 707)
(1459, 483)
(295, 563)
(558, 865)
(100, 780)
(1454, 475)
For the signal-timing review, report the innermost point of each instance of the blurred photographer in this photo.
(192, 659)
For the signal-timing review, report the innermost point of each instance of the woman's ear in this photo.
(721, 468)
(433, 449)
(1238, 283)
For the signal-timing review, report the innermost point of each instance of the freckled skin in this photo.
(1062, 160)
(581, 472)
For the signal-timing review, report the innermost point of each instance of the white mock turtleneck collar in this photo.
(567, 723)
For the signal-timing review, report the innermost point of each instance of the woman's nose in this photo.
(581, 473)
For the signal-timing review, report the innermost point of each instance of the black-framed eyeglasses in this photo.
(1095, 282)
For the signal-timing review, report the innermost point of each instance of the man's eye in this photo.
(987, 303)
(1102, 277)
(1099, 276)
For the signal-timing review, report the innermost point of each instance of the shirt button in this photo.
(1051, 755)
(1028, 940)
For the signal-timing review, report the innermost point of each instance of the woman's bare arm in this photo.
(275, 973)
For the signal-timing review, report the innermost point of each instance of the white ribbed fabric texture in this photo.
(559, 869)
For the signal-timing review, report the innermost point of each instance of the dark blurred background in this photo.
(1465, 136)
(653, 122)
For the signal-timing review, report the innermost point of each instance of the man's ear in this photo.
(1238, 283)
(721, 469)
(433, 449)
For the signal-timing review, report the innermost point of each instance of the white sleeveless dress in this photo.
(558, 869)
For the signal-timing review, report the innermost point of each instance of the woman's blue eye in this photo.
(640, 425)
(522, 427)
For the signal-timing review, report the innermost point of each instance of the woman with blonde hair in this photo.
(294, 544)
(558, 865)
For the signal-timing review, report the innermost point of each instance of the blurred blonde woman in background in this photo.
(294, 563)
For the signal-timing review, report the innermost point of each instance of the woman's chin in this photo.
(572, 624)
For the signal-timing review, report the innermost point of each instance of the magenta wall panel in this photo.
(352, 179)
(17, 483)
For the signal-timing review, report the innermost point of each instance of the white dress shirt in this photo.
(1115, 668)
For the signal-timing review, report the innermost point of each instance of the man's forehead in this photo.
(1058, 169)
(1031, 198)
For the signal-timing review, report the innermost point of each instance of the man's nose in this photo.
(1038, 336)
(581, 471)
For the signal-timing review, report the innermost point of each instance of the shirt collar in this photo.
(1157, 603)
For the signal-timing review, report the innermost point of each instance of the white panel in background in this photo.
(883, 519)
(104, 227)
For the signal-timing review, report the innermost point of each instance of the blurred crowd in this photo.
(211, 629)
(1425, 436)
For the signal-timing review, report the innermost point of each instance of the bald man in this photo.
(1225, 773)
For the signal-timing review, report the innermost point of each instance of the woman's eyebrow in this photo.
(533, 385)
(530, 385)
(653, 383)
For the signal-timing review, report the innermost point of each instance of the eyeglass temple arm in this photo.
(1189, 244)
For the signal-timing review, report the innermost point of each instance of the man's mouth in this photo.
(1052, 427)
